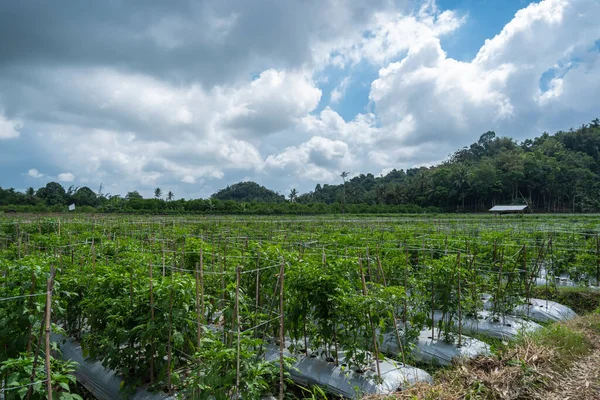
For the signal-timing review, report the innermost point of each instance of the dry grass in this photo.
(560, 362)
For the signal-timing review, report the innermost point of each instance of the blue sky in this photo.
(191, 97)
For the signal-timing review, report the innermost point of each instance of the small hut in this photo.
(499, 210)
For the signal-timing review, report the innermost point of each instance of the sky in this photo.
(192, 96)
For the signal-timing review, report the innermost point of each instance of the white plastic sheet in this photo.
(101, 382)
(538, 310)
(429, 349)
(505, 328)
(345, 381)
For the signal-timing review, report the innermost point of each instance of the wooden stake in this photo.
(459, 303)
(152, 319)
(199, 305)
(49, 288)
(237, 323)
(365, 293)
(169, 352)
(163, 256)
(281, 331)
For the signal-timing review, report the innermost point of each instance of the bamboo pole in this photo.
(50, 286)
(162, 244)
(393, 310)
(459, 302)
(199, 299)
(237, 324)
(365, 293)
(281, 330)
(152, 319)
(169, 350)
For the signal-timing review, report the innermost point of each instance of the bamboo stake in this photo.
(31, 310)
(365, 293)
(163, 256)
(169, 352)
(237, 323)
(152, 319)
(459, 303)
(432, 305)
(281, 330)
(199, 299)
(50, 286)
(393, 311)
(257, 290)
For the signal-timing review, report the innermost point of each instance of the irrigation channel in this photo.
(226, 307)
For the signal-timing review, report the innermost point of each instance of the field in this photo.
(214, 306)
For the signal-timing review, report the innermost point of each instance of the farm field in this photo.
(213, 307)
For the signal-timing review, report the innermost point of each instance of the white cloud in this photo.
(320, 160)
(9, 129)
(340, 90)
(34, 173)
(270, 103)
(449, 102)
(66, 177)
(196, 123)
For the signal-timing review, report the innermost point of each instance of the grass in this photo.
(581, 300)
(529, 368)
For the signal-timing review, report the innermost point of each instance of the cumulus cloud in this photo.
(66, 177)
(317, 160)
(194, 96)
(34, 173)
(9, 129)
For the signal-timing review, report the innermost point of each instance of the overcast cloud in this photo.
(193, 96)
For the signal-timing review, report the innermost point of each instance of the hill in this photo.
(248, 192)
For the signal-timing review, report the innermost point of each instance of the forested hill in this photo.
(558, 172)
(248, 192)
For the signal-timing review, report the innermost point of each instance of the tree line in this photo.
(550, 173)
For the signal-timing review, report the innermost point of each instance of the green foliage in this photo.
(17, 374)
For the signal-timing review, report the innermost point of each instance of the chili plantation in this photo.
(294, 307)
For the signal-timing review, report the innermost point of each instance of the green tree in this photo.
(52, 194)
(157, 193)
(293, 196)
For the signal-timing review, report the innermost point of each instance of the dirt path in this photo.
(580, 382)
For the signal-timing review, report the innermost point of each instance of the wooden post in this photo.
(237, 324)
(597, 262)
(365, 293)
(393, 310)
(459, 303)
(152, 319)
(199, 299)
(93, 257)
(163, 256)
(281, 330)
(49, 288)
(433, 306)
(169, 350)
(31, 310)
(257, 289)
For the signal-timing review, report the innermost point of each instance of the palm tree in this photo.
(344, 175)
(30, 193)
(293, 196)
(157, 193)
(170, 196)
(461, 180)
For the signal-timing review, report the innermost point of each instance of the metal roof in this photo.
(509, 208)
